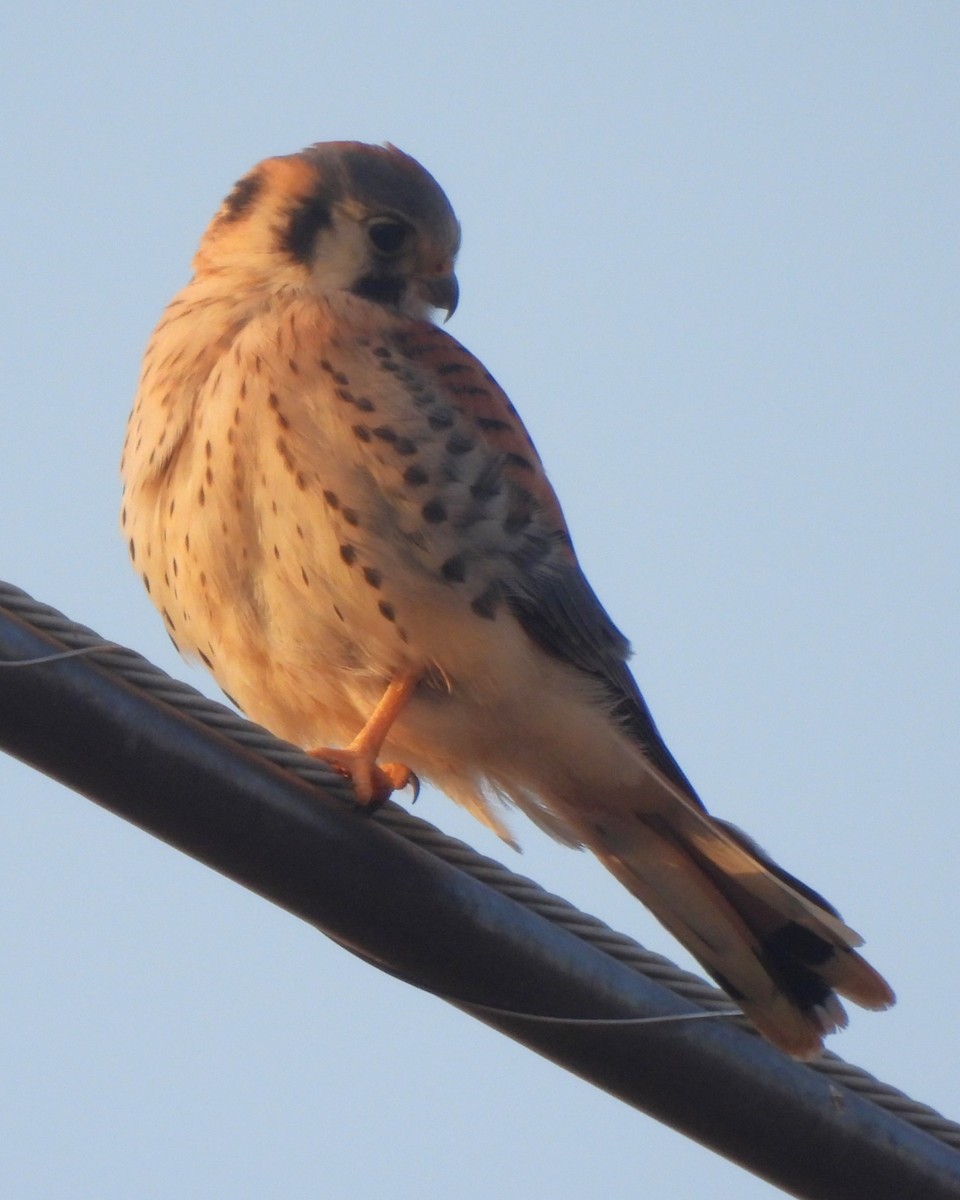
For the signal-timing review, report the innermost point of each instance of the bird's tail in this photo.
(777, 948)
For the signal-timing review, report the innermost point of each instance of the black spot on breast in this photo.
(442, 418)
(373, 576)
(331, 498)
(387, 610)
(517, 520)
(459, 443)
(304, 221)
(434, 512)
(349, 554)
(485, 605)
(385, 433)
(494, 424)
(405, 446)
(284, 453)
(350, 516)
(454, 569)
(415, 476)
(361, 432)
(518, 460)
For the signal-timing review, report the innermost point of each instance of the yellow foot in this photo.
(373, 783)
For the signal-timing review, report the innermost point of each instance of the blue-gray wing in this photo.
(560, 611)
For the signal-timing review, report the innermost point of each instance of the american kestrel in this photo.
(336, 508)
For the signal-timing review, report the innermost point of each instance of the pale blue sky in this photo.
(711, 250)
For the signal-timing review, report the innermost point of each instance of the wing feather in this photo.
(556, 607)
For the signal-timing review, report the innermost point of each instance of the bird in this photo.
(339, 512)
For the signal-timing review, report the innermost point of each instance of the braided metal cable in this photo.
(132, 668)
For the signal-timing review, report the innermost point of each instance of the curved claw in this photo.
(373, 783)
(399, 777)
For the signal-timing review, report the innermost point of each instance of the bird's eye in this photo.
(388, 237)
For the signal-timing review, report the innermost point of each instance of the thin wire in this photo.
(49, 658)
(126, 664)
(524, 1014)
(542, 1019)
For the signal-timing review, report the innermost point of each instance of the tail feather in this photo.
(852, 976)
(777, 948)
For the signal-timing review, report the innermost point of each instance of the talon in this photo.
(401, 776)
(372, 784)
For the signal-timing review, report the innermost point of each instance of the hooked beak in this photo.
(443, 292)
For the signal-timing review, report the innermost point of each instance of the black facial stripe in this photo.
(381, 289)
(304, 222)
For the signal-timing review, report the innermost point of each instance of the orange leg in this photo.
(371, 781)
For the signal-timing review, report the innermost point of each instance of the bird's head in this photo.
(339, 217)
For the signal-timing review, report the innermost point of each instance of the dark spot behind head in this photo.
(243, 196)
